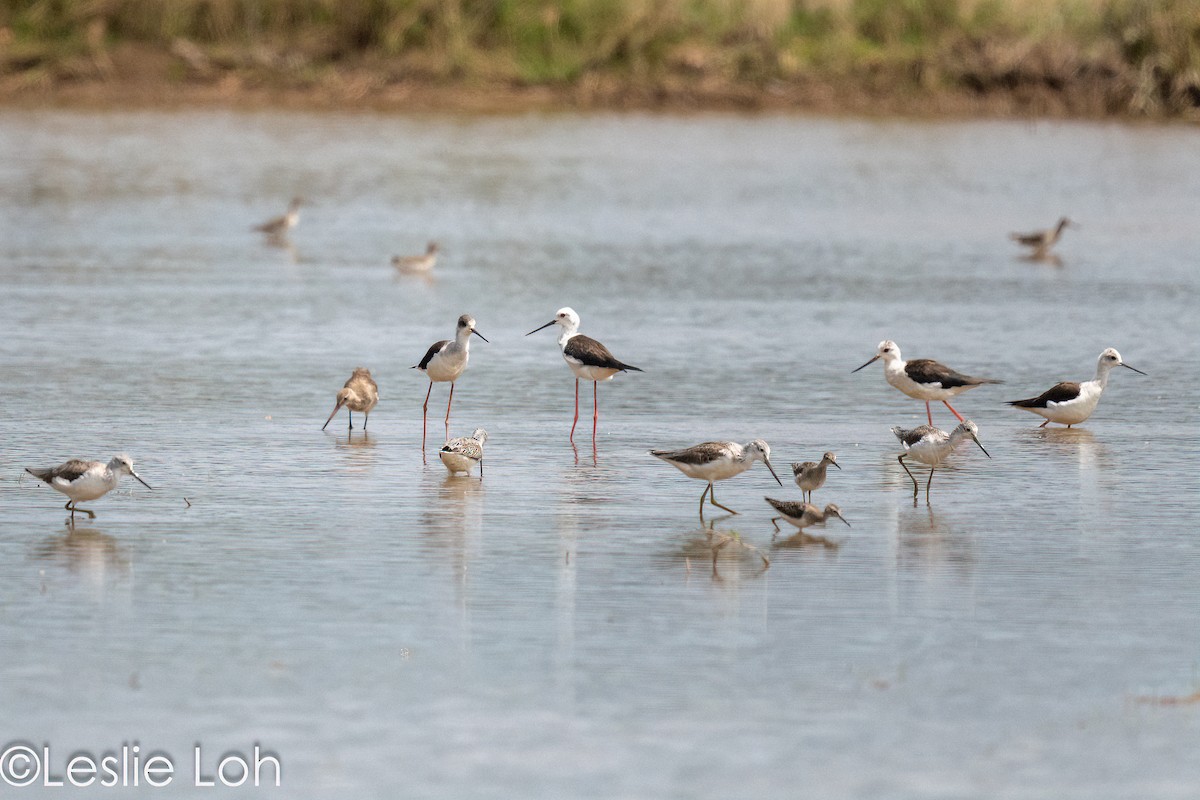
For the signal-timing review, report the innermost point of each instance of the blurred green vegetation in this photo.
(1128, 56)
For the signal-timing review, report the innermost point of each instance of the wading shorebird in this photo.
(716, 461)
(1071, 403)
(417, 263)
(463, 453)
(278, 227)
(923, 378)
(86, 480)
(802, 515)
(358, 394)
(1042, 241)
(931, 446)
(445, 361)
(811, 474)
(587, 358)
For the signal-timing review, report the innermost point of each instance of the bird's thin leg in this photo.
(448, 402)
(712, 498)
(916, 487)
(576, 422)
(595, 409)
(70, 508)
(929, 483)
(952, 411)
(481, 469)
(425, 414)
(366, 417)
(349, 418)
(928, 413)
(702, 495)
(71, 505)
(775, 522)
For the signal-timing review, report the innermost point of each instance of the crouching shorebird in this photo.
(1042, 241)
(358, 394)
(716, 461)
(931, 446)
(923, 378)
(587, 358)
(278, 227)
(802, 515)
(444, 362)
(417, 263)
(810, 475)
(1071, 403)
(463, 453)
(86, 480)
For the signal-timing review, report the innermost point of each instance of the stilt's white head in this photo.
(888, 350)
(565, 318)
(466, 326)
(1111, 358)
(480, 435)
(758, 449)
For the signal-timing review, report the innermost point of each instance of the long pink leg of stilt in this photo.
(952, 411)
(928, 413)
(425, 414)
(576, 422)
(595, 409)
(448, 402)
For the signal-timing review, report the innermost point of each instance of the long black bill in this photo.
(773, 475)
(981, 447)
(835, 464)
(843, 519)
(139, 480)
(480, 335)
(336, 409)
(869, 363)
(1135, 369)
(547, 325)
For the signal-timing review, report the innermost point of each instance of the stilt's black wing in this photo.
(433, 351)
(1059, 393)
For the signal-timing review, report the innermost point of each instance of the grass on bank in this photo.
(1128, 56)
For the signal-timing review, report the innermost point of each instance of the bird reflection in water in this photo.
(423, 278)
(86, 552)
(457, 505)
(802, 539)
(575, 447)
(358, 446)
(1080, 442)
(725, 546)
(930, 539)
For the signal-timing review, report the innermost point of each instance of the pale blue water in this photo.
(556, 630)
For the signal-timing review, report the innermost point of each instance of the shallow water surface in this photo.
(558, 629)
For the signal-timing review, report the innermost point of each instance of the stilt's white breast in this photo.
(448, 364)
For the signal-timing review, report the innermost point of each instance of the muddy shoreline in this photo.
(359, 94)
